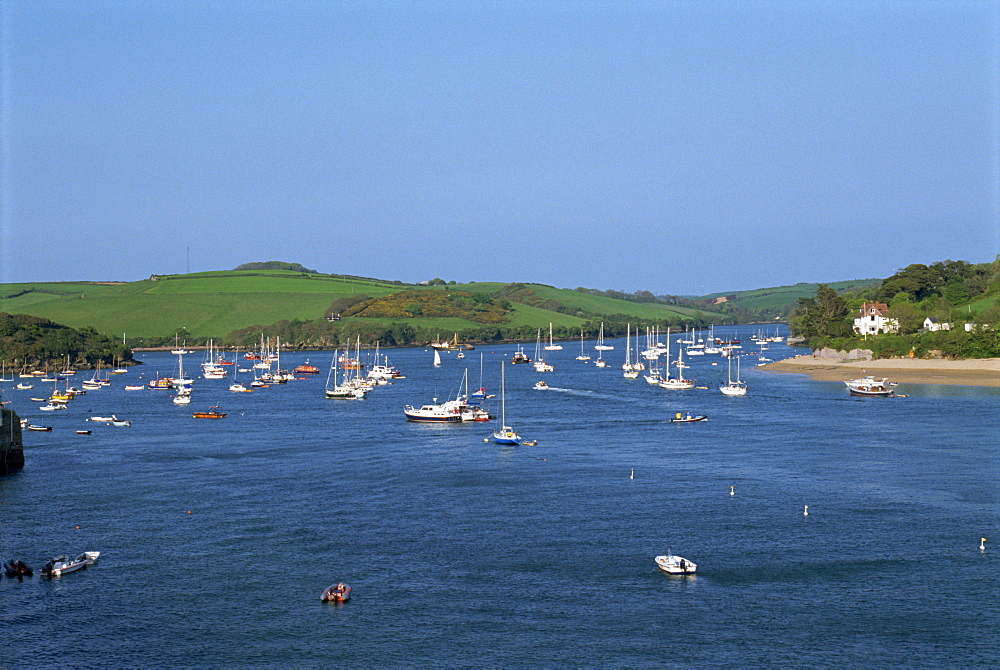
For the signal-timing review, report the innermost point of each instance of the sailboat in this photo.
(582, 356)
(182, 384)
(437, 359)
(338, 391)
(477, 397)
(734, 387)
(505, 434)
(551, 346)
(679, 384)
(237, 387)
(600, 346)
(631, 372)
(540, 364)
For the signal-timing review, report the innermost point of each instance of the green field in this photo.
(781, 296)
(213, 304)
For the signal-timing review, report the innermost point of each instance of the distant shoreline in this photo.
(967, 372)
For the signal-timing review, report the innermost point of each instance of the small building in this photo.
(933, 325)
(871, 319)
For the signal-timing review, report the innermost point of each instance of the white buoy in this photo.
(732, 490)
(982, 544)
(806, 511)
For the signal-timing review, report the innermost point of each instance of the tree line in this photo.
(952, 292)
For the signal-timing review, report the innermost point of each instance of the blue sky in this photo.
(676, 147)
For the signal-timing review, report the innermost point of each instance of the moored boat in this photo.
(870, 387)
(209, 414)
(432, 413)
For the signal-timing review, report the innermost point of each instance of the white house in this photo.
(933, 325)
(871, 319)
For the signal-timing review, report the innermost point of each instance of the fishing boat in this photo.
(688, 417)
(61, 565)
(209, 414)
(306, 369)
(675, 565)
(870, 387)
(505, 434)
(519, 356)
(733, 388)
(451, 344)
(337, 593)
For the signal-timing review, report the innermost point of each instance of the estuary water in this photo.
(217, 536)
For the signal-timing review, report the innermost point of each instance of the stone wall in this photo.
(843, 356)
(11, 448)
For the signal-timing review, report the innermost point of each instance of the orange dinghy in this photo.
(338, 593)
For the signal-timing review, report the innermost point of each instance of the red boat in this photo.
(338, 593)
(307, 369)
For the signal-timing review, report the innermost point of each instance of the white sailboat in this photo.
(540, 364)
(733, 387)
(582, 356)
(339, 391)
(552, 346)
(678, 384)
(600, 346)
(437, 359)
(631, 372)
(504, 434)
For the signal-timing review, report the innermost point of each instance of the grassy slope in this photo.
(207, 304)
(764, 298)
(591, 303)
(215, 303)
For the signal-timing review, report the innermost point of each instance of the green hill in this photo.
(780, 300)
(214, 304)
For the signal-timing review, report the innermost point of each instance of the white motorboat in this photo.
(432, 413)
(61, 565)
(675, 565)
(870, 387)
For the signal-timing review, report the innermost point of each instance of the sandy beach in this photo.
(972, 372)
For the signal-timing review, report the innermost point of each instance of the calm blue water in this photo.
(218, 536)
